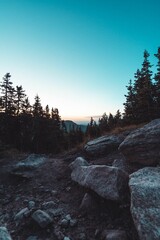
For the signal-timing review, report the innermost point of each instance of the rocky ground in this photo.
(49, 187)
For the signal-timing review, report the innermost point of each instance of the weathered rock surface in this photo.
(24, 168)
(42, 218)
(4, 234)
(143, 145)
(145, 202)
(79, 161)
(103, 145)
(108, 182)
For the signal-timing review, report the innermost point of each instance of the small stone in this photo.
(73, 222)
(66, 238)
(64, 223)
(19, 217)
(31, 204)
(54, 192)
(54, 212)
(42, 218)
(68, 217)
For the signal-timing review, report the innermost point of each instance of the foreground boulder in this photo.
(4, 234)
(108, 182)
(143, 145)
(145, 202)
(103, 145)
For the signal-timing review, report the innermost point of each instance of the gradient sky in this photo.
(77, 55)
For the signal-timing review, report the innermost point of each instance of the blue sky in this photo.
(78, 55)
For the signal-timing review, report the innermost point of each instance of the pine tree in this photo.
(7, 98)
(19, 99)
(26, 106)
(37, 107)
(118, 118)
(103, 123)
(111, 121)
(157, 85)
(143, 88)
(47, 114)
(129, 105)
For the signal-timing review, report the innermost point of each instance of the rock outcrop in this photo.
(143, 145)
(103, 145)
(108, 182)
(145, 202)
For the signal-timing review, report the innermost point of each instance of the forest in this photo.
(33, 128)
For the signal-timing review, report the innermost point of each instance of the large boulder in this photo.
(108, 182)
(143, 145)
(25, 167)
(145, 202)
(103, 145)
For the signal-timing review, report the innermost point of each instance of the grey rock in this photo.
(143, 145)
(73, 222)
(103, 145)
(49, 205)
(25, 167)
(4, 234)
(64, 223)
(54, 212)
(66, 238)
(79, 161)
(68, 217)
(31, 204)
(31, 162)
(145, 202)
(21, 215)
(114, 235)
(108, 182)
(42, 218)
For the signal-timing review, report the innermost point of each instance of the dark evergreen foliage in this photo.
(32, 128)
(157, 85)
(142, 100)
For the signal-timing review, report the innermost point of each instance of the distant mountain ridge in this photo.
(70, 125)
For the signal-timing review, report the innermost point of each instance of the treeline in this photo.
(142, 100)
(31, 127)
(37, 129)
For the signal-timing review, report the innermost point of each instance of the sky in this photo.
(77, 55)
